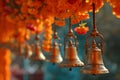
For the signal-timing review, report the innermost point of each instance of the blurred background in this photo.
(107, 24)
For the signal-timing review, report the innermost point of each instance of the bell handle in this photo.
(55, 36)
(101, 43)
(86, 46)
(65, 42)
(76, 42)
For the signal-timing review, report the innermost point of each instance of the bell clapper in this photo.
(70, 69)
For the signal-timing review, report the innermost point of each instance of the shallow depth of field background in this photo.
(108, 25)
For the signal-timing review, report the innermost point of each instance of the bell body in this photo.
(55, 56)
(94, 63)
(71, 58)
(38, 53)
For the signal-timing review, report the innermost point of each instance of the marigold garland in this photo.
(115, 7)
(17, 14)
(5, 62)
(24, 12)
(46, 43)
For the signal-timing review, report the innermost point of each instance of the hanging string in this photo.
(54, 31)
(70, 26)
(93, 6)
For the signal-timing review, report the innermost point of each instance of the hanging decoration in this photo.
(71, 58)
(21, 18)
(5, 62)
(46, 43)
(38, 55)
(19, 14)
(94, 62)
(55, 56)
(81, 29)
(115, 7)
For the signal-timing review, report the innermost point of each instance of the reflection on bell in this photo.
(94, 63)
(56, 55)
(38, 54)
(28, 51)
(70, 57)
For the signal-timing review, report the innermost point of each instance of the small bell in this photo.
(38, 55)
(56, 55)
(71, 58)
(95, 63)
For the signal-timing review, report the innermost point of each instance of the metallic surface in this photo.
(71, 58)
(95, 63)
(56, 55)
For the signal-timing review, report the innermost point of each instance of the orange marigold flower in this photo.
(81, 29)
(116, 11)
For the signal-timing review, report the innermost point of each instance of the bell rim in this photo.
(71, 65)
(96, 72)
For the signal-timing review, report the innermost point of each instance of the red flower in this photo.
(81, 30)
(31, 27)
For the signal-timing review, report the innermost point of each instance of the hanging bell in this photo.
(28, 51)
(56, 55)
(94, 61)
(38, 53)
(71, 58)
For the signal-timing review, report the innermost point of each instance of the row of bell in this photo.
(28, 50)
(94, 63)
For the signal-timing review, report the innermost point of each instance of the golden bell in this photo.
(71, 58)
(94, 61)
(28, 51)
(56, 55)
(38, 53)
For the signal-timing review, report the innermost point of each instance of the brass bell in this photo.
(28, 51)
(55, 54)
(71, 58)
(38, 55)
(94, 63)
